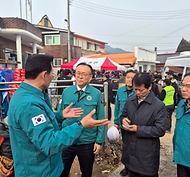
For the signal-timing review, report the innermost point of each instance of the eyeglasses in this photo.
(185, 86)
(81, 74)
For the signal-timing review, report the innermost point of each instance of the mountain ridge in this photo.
(110, 50)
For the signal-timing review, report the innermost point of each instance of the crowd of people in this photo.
(45, 143)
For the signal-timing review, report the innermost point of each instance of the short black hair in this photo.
(67, 71)
(142, 79)
(85, 64)
(107, 75)
(37, 63)
(130, 71)
(167, 81)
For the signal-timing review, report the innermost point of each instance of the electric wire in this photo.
(122, 13)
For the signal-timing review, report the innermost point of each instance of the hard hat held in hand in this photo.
(113, 134)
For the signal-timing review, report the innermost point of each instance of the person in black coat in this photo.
(155, 87)
(143, 120)
(66, 75)
(95, 81)
(106, 78)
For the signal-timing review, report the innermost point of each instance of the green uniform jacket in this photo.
(90, 99)
(36, 140)
(120, 100)
(181, 138)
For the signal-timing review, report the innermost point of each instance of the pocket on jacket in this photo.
(90, 104)
(67, 104)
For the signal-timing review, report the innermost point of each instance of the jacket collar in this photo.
(148, 99)
(87, 89)
(32, 89)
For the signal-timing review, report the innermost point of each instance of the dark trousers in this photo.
(183, 171)
(85, 156)
(122, 134)
(109, 110)
(133, 174)
(169, 110)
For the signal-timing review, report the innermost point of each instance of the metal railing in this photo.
(105, 92)
(55, 98)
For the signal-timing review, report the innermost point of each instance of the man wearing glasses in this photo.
(89, 143)
(181, 139)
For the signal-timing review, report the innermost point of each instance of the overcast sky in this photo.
(121, 23)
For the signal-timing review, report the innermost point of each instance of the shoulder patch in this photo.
(37, 120)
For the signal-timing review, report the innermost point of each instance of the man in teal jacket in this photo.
(89, 143)
(181, 140)
(123, 94)
(36, 140)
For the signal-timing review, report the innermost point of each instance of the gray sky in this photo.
(121, 23)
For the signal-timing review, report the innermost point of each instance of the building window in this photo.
(45, 22)
(96, 47)
(144, 68)
(57, 61)
(140, 68)
(88, 45)
(152, 67)
(52, 39)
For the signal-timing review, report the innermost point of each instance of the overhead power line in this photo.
(130, 14)
(133, 14)
(166, 35)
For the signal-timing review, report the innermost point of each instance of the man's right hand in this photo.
(126, 123)
(88, 121)
(116, 126)
(69, 112)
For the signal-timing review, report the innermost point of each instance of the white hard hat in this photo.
(113, 133)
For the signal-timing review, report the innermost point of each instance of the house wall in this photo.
(60, 51)
(63, 38)
(6, 43)
(146, 59)
(82, 42)
(19, 23)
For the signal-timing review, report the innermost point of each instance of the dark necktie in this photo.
(79, 94)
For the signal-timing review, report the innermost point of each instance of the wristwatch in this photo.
(79, 123)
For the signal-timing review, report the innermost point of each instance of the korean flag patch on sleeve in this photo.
(37, 120)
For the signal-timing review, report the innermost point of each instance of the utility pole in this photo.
(26, 4)
(20, 9)
(30, 11)
(68, 25)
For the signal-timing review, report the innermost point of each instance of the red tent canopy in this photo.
(70, 64)
(96, 63)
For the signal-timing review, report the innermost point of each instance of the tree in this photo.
(184, 45)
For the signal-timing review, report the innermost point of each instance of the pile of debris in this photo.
(109, 158)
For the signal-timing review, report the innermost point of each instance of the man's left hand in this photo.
(130, 128)
(97, 148)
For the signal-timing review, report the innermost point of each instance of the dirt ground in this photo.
(107, 163)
